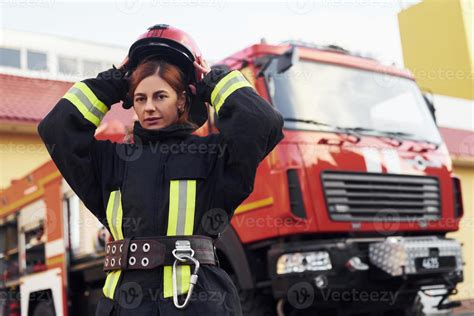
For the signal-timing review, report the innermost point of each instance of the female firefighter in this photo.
(156, 195)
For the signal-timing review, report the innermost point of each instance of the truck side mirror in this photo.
(288, 59)
(277, 64)
(428, 97)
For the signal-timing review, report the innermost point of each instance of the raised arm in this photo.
(249, 129)
(90, 167)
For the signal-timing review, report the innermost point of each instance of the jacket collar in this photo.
(174, 131)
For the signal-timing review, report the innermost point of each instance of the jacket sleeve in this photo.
(249, 129)
(89, 166)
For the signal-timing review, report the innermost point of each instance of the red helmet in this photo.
(164, 42)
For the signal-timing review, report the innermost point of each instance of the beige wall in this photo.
(19, 154)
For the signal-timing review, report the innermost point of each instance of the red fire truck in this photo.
(349, 213)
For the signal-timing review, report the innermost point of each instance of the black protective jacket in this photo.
(133, 188)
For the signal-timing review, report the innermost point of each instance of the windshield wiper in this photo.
(290, 119)
(337, 128)
(397, 136)
(391, 135)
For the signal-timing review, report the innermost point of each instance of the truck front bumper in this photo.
(400, 265)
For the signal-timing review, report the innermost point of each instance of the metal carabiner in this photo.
(183, 252)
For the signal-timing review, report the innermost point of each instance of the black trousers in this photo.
(218, 297)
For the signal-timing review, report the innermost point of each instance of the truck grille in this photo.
(380, 197)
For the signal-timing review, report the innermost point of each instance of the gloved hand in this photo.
(127, 101)
(211, 77)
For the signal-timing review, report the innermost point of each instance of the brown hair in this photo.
(168, 72)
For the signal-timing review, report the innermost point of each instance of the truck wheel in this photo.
(254, 303)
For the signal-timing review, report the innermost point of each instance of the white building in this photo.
(53, 57)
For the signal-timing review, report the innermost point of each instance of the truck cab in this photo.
(356, 200)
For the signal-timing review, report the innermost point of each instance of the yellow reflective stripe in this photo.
(114, 214)
(168, 281)
(226, 86)
(82, 108)
(118, 222)
(222, 83)
(180, 222)
(86, 102)
(91, 96)
(110, 213)
(173, 208)
(234, 87)
(111, 283)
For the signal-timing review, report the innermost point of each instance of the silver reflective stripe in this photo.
(181, 224)
(183, 190)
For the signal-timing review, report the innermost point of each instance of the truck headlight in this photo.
(298, 262)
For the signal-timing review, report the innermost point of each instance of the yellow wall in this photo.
(19, 154)
(467, 7)
(436, 39)
(466, 232)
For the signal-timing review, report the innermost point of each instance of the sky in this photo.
(220, 27)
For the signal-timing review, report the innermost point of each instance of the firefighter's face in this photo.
(156, 103)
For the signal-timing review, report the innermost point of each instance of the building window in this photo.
(10, 57)
(91, 68)
(37, 61)
(67, 66)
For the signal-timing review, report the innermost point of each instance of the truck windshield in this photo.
(368, 102)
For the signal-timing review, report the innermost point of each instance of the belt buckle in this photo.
(183, 253)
